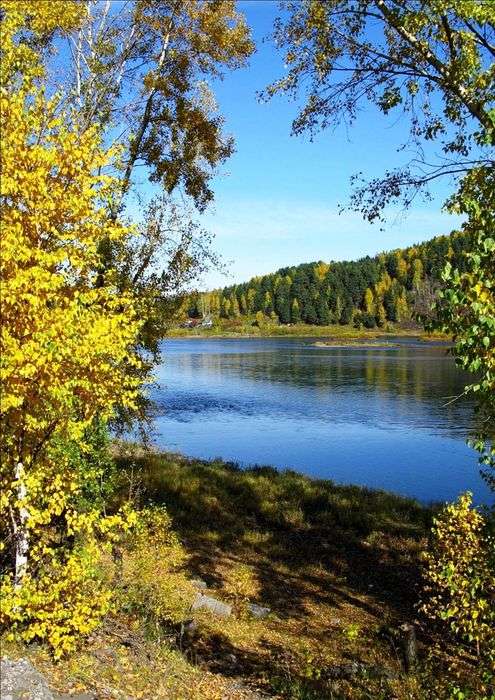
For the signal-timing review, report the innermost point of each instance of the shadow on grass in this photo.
(309, 541)
(276, 668)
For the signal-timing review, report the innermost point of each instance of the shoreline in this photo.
(123, 451)
(291, 562)
(318, 332)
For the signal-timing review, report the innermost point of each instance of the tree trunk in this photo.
(409, 647)
(22, 537)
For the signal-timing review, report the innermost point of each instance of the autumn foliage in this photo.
(459, 583)
(65, 341)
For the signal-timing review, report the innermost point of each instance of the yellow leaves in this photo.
(42, 18)
(67, 338)
(57, 608)
(64, 342)
(36, 20)
(459, 576)
(153, 581)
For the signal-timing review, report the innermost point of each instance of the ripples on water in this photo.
(376, 416)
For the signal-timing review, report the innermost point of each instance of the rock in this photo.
(258, 611)
(21, 681)
(215, 606)
(199, 583)
(346, 671)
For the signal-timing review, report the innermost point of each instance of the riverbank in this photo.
(236, 328)
(333, 572)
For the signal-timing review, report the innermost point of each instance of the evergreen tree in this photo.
(390, 305)
(295, 313)
(375, 286)
(346, 315)
(267, 304)
(322, 311)
(310, 315)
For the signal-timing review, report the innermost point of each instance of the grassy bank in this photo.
(338, 567)
(237, 328)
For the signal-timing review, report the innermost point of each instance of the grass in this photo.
(338, 566)
(243, 327)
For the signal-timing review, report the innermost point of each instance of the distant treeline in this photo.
(391, 286)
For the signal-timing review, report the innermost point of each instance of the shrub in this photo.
(459, 576)
(64, 592)
(58, 606)
(364, 319)
(241, 585)
(153, 582)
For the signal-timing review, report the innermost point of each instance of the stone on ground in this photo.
(215, 606)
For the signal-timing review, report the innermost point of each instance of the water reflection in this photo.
(376, 416)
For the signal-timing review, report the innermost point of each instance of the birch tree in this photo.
(431, 62)
(67, 345)
(141, 70)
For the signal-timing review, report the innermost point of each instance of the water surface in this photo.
(380, 417)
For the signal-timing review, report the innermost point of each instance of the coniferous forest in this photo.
(390, 287)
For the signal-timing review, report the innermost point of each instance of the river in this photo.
(378, 416)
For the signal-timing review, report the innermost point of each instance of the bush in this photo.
(59, 605)
(459, 576)
(65, 592)
(153, 582)
(364, 319)
(241, 585)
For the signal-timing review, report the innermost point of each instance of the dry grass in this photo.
(337, 565)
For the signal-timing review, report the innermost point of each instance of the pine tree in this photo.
(322, 311)
(295, 314)
(346, 315)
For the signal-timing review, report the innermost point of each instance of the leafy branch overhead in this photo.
(433, 61)
(141, 70)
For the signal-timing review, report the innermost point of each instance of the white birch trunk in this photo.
(22, 537)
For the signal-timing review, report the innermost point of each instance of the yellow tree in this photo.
(65, 342)
(369, 303)
(417, 273)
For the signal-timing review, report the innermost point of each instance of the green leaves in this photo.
(433, 60)
(466, 308)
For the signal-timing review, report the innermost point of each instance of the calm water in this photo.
(372, 416)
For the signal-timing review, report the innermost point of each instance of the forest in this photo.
(390, 287)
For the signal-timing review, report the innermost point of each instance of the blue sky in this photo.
(277, 198)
